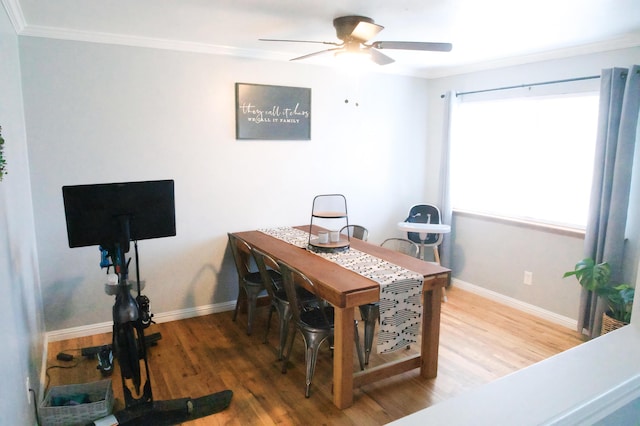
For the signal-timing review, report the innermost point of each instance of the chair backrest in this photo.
(290, 279)
(242, 262)
(264, 261)
(402, 245)
(356, 231)
(424, 213)
(289, 276)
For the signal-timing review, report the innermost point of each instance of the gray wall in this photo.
(494, 254)
(102, 113)
(22, 329)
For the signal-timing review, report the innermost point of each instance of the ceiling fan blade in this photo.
(413, 45)
(366, 30)
(380, 58)
(301, 41)
(322, 52)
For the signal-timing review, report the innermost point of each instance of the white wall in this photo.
(100, 113)
(494, 255)
(22, 329)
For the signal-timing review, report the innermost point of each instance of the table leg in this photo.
(343, 358)
(430, 332)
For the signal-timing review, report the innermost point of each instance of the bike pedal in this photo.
(105, 361)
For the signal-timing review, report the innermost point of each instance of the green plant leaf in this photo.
(590, 275)
(596, 277)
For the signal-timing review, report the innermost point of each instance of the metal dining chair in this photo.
(279, 301)
(402, 245)
(315, 325)
(355, 231)
(370, 313)
(250, 284)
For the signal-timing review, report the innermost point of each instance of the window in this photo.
(525, 158)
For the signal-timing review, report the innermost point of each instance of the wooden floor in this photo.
(480, 341)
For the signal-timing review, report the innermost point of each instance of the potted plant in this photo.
(596, 277)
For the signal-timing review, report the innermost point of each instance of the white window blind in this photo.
(526, 158)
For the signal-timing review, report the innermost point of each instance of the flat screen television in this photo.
(110, 213)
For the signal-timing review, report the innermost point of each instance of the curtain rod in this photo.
(590, 77)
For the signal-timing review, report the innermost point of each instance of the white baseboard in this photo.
(516, 304)
(43, 371)
(106, 327)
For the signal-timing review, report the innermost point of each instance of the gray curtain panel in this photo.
(615, 144)
(444, 196)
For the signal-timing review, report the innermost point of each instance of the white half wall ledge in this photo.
(516, 304)
(106, 327)
(583, 385)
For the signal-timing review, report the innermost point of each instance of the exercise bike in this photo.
(111, 216)
(130, 318)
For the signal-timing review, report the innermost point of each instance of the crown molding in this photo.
(628, 41)
(624, 42)
(14, 11)
(138, 41)
(174, 45)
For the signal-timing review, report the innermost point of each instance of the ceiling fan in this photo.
(355, 33)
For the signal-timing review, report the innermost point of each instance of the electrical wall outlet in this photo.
(528, 278)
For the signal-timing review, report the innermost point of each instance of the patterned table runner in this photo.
(400, 289)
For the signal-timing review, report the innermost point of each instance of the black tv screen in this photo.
(95, 213)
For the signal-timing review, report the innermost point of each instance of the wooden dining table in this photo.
(346, 290)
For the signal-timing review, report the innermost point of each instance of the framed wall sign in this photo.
(273, 112)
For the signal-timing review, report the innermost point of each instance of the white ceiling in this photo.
(484, 33)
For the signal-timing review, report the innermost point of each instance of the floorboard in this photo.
(480, 341)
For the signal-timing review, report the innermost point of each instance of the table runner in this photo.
(400, 289)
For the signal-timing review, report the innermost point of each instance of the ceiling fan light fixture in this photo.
(356, 32)
(353, 57)
(366, 31)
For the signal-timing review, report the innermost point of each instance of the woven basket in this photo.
(610, 324)
(100, 394)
